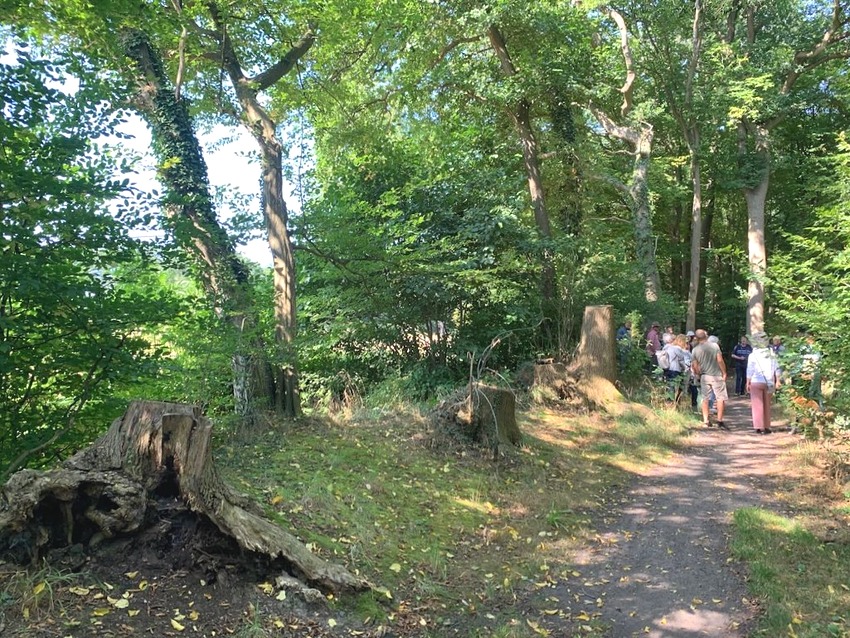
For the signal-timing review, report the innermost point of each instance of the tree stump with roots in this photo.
(595, 363)
(110, 489)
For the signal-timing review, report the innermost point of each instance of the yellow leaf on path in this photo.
(395, 567)
(281, 595)
(277, 499)
(100, 611)
(39, 588)
(121, 603)
(177, 625)
(267, 588)
(132, 612)
(331, 622)
(131, 575)
(583, 616)
(80, 591)
(143, 585)
(279, 624)
(551, 612)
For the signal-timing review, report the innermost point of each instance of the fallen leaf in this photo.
(80, 591)
(131, 575)
(39, 588)
(100, 611)
(177, 625)
(395, 567)
(121, 603)
(132, 612)
(331, 622)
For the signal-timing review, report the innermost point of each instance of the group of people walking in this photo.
(695, 360)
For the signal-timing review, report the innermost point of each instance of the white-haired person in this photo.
(708, 364)
(763, 377)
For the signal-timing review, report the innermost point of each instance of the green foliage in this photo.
(70, 316)
(809, 279)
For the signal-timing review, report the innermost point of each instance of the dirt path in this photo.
(661, 566)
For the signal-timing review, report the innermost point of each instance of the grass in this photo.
(803, 582)
(34, 590)
(800, 567)
(450, 533)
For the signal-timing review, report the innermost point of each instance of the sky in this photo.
(232, 161)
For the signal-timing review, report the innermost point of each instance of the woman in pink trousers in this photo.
(762, 381)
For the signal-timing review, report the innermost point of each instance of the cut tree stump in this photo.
(110, 488)
(483, 413)
(595, 363)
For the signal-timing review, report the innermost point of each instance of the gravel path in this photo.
(661, 567)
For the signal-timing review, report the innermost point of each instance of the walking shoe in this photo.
(722, 426)
(759, 431)
(768, 431)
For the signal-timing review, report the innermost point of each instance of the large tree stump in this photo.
(483, 413)
(595, 363)
(156, 449)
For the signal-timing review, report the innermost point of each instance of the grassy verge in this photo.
(800, 567)
(452, 535)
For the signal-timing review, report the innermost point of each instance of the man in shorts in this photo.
(708, 365)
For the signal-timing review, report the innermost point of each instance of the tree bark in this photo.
(190, 214)
(109, 489)
(264, 130)
(696, 239)
(597, 350)
(595, 363)
(644, 239)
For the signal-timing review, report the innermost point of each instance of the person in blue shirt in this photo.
(624, 331)
(740, 353)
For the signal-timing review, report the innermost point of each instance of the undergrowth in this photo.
(451, 536)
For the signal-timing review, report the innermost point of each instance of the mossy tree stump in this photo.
(110, 488)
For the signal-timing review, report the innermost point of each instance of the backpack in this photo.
(663, 359)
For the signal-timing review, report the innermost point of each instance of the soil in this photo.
(660, 566)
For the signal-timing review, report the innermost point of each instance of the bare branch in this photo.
(497, 41)
(271, 75)
(628, 87)
(451, 46)
(625, 133)
(807, 60)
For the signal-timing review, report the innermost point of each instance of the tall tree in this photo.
(191, 217)
(638, 134)
(769, 85)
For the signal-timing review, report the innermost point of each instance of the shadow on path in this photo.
(661, 567)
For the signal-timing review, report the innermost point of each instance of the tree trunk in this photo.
(696, 242)
(110, 489)
(521, 116)
(597, 350)
(264, 130)
(595, 363)
(755, 195)
(288, 400)
(644, 239)
(190, 214)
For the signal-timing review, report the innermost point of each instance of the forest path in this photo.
(661, 564)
